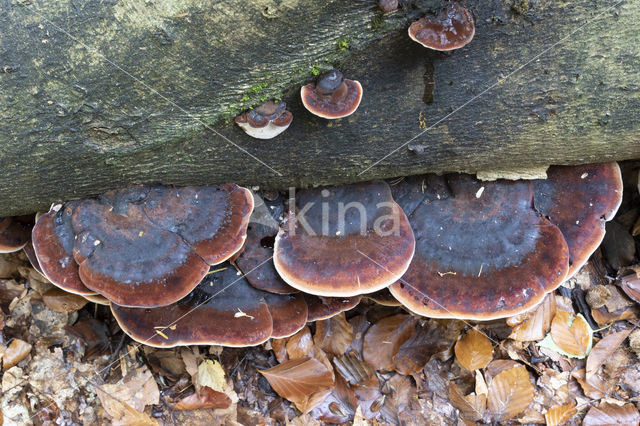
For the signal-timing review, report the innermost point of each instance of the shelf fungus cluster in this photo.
(213, 265)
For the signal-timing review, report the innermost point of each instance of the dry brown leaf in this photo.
(16, 352)
(352, 368)
(59, 300)
(279, 347)
(312, 401)
(138, 389)
(204, 398)
(211, 374)
(369, 397)
(559, 414)
(300, 344)
(472, 407)
(339, 406)
(122, 413)
(603, 350)
(383, 340)
(497, 366)
(594, 388)
(297, 379)
(612, 414)
(630, 284)
(427, 340)
(603, 317)
(94, 334)
(510, 393)
(474, 350)
(571, 333)
(334, 335)
(535, 324)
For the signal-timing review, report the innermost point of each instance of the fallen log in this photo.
(103, 94)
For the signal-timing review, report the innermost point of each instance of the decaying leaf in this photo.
(352, 368)
(593, 388)
(297, 379)
(427, 340)
(559, 414)
(339, 406)
(300, 344)
(122, 413)
(94, 334)
(474, 350)
(334, 335)
(204, 398)
(279, 347)
(383, 340)
(312, 401)
(472, 407)
(211, 374)
(570, 335)
(603, 350)
(612, 414)
(533, 325)
(16, 352)
(369, 397)
(59, 300)
(510, 393)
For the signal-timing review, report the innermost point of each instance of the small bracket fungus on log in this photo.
(333, 96)
(344, 241)
(14, 232)
(482, 251)
(265, 121)
(450, 29)
(579, 200)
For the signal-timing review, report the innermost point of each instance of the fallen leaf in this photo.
(570, 335)
(559, 414)
(383, 340)
(603, 317)
(426, 341)
(401, 398)
(94, 334)
(121, 412)
(137, 389)
(299, 344)
(594, 388)
(339, 406)
(630, 284)
(211, 374)
(297, 379)
(510, 393)
(16, 352)
(533, 325)
(204, 398)
(312, 401)
(59, 300)
(279, 347)
(603, 350)
(334, 335)
(352, 368)
(474, 350)
(612, 414)
(472, 407)
(369, 397)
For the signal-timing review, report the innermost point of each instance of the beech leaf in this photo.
(603, 350)
(334, 335)
(297, 379)
(510, 393)
(205, 398)
(383, 340)
(612, 414)
(559, 414)
(474, 350)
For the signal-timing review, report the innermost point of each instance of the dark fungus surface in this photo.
(482, 251)
(450, 29)
(149, 246)
(15, 231)
(332, 96)
(266, 121)
(344, 241)
(579, 200)
(222, 310)
(53, 240)
(320, 308)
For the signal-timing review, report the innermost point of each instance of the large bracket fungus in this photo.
(450, 29)
(344, 241)
(482, 251)
(333, 96)
(145, 246)
(222, 310)
(579, 200)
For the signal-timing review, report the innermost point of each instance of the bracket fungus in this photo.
(482, 251)
(222, 310)
(363, 242)
(579, 200)
(265, 121)
(145, 246)
(14, 232)
(333, 96)
(452, 28)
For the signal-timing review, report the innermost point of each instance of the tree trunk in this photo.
(98, 94)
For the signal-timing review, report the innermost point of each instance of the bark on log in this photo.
(97, 94)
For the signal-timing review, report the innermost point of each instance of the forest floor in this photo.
(572, 360)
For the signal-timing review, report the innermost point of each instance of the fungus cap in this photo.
(451, 29)
(265, 121)
(321, 308)
(15, 232)
(53, 240)
(222, 310)
(344, 241)
(150, 246)
(482, 251)
(333, 96)
(579, 200)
